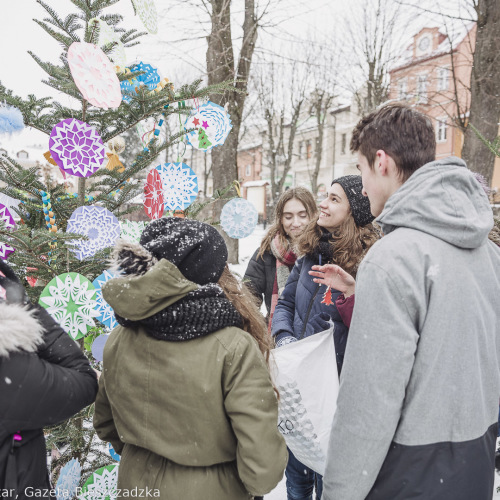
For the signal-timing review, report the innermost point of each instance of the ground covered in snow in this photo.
(247, 247)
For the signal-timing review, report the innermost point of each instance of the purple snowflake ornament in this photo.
(76, 147)
(6, 217)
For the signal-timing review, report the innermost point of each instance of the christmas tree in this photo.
(204, 143)
(44, 248)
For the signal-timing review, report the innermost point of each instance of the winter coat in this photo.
(418, 404)
(195, 419)
(260, 276)
(301, 302)
(44, 379)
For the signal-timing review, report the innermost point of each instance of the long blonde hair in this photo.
(245, 303)
(349, 242)
(299, 193)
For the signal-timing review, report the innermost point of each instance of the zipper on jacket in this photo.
(304, 324)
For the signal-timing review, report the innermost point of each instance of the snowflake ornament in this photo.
(238, 218)
(6, 217)
(105, 313)
(68, 481)
(150, 78)
(94, 75)
(113, 454)
(101, 485)
(70, 299)
(97, 348)
(153, 195)
(212, 126)
(98, 224)
(146, 9)
(76, 147)
(108, 35)
(132, 230)
(180, 185)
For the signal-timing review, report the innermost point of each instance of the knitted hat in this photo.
(360, 205)
(197, 249)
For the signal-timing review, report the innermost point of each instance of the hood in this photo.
(443, 199)
(19, 329)
(138, 297)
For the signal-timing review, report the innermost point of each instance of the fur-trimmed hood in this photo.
(19, 329)
(131, 259)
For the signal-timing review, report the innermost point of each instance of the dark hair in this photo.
(405, 134)
(299, 193)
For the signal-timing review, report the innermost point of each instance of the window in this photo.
(441, 130)
(23, 155)
(402, 89)
(309, 149)
(343, 144)
(422, 88)
(443, 76)
(301, 150)
(248, 170)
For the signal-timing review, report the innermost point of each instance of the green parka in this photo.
(195, 419)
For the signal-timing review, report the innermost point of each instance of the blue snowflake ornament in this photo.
(180, 185)
(238, 218)
(212, 126)
(11, 120)
(150, 78)
(98, 224)
(68, 481)
(113, 454)
(104, 312)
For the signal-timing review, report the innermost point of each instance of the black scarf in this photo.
(204, 311)
(323, 248)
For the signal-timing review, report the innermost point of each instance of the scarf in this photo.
(285, 260)
(323, 252)
(199, 313)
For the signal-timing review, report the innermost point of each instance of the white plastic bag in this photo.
(305, 374)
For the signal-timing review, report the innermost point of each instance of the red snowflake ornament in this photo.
(327, 297)
(153, 195)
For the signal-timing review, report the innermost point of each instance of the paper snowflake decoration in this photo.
(113, 454)
(150, 78)
(146, 9)
(97, 348)
(104, 311)
(6, 217)
(180, 185)
(76, 147)
(212, 126)
(98, 224)
(70, 299)
(108, 35)
(132, 230)
(68, 481)
(238, 218)
(94, 75)
(153, 195)
(101, 485)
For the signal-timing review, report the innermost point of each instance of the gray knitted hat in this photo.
(360, 205)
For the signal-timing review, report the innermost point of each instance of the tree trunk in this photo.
(220, 68)
(485, 98)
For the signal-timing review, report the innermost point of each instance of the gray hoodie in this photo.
(418, 403)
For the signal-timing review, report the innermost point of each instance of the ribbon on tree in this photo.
(50, 218)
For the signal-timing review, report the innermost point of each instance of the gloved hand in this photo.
(13, 291)
(318, 323)
(284, 338)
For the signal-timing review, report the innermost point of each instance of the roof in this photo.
(255, 184)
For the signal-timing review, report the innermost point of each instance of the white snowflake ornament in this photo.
(132, 230)
(70, 299)
(69, 478)
(238, 218)
(146, 10)
(180, 185)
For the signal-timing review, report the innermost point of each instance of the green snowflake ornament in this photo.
(101, 485)
(70, 299)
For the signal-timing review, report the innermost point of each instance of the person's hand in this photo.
(318, 323)
(12, 290)
(334, 277)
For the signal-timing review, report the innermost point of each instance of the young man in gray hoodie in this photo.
(418, 404)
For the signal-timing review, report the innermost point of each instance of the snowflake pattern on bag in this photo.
(297, 428)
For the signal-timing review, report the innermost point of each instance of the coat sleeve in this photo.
(103, 418)
(377, 366)
(255, 276)
(345, 306)
(284, 312)
(252, 408)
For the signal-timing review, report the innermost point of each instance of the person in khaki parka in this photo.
(185, 395)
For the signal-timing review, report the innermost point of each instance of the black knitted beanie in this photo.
(360, 205)
(197, 249)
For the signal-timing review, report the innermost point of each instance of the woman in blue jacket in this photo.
(341, 235)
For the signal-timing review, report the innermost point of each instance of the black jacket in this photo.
(260, 276)
(44, 379)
